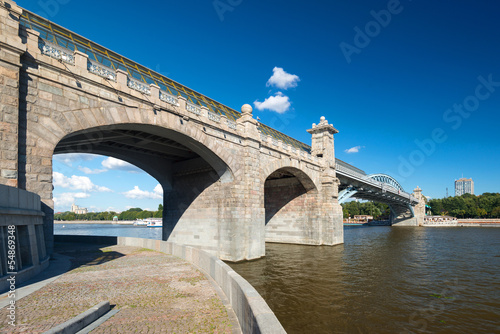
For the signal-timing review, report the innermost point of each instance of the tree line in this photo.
(379, 211)
(486, 205)
(130, 214)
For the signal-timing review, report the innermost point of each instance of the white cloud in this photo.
(117, 164)
(354, 149)
(76, 183)
(279, 103)
(158, 190)
(137, 193)
(87, 170)
(282, 79)
(70, 158)
(67, 199)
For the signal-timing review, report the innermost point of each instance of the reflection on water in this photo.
(385, 280)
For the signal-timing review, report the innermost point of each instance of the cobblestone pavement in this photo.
(154, 293)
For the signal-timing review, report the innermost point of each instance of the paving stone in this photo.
(154, 293)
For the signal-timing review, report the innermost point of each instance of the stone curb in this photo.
(81, 321)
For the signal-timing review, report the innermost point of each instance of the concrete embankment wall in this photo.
(21, 232)
(495, 222)
(254, 315)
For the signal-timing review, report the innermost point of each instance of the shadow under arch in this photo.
(284, 186)
(183, 166)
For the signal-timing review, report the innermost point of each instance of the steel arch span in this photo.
(384, 179)
(387, 179)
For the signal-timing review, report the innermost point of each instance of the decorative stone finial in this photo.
(314, 125)
(322, 119)
(246, 109)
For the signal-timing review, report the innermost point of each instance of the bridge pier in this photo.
(409, 216)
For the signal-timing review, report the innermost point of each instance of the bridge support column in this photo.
(409, 216)
(330, 215)
(11, 50)
(223, 217)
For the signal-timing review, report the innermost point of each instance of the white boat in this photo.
(140, 222)
(154, 222)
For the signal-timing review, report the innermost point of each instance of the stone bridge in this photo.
(230, 183)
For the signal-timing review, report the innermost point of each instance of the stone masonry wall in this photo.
(21, 210)
(11, 48)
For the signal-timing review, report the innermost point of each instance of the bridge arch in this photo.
(291, 205)
(351, 191)
(193, 169)
(387, 179)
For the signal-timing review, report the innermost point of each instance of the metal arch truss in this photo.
(387, 179)
(350, 191)
(347, 193)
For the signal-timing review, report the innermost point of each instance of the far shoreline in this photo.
(109, 222)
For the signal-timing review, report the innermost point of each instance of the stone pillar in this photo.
(249, 224)
(248, 122)
(419, 209)
(11, 49)
(121, 77)
(322, 142)
(330, 215)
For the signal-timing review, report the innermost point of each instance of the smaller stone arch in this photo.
(306, 176)
(292, 205)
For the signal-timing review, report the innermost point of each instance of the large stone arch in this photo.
(192, 200)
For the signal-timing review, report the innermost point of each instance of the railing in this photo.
(57, 52)
(194, 109)
(166, 97)
(231, 124)
(139, 86)
(101, 70)
(213, 117)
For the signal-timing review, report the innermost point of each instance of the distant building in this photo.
(464, 186)
(78, 210)
(363, 218)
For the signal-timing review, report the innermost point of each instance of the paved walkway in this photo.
(153, 293)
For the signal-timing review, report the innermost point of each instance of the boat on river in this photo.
(154, 222)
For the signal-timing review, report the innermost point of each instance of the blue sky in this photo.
(390, 76)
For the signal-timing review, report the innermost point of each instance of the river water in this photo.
(381, 280)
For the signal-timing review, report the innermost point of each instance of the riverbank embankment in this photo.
(471, 222)
(153, 292)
